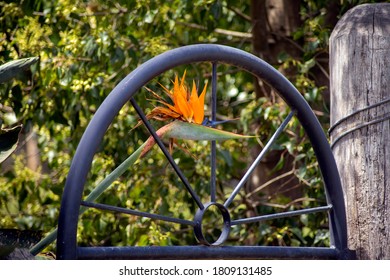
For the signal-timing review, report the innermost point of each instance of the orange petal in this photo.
(184, 108)
(180, 98)
(182, 82)
(176, 93)
(183, 88)
(176, 87)
(197, 104)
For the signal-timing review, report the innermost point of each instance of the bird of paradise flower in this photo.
(187, 106)
(187, 111)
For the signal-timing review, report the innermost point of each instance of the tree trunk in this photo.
(360, 119)
(273, 23)
(32, 152)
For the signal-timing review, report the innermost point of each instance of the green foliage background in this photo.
(85, 49)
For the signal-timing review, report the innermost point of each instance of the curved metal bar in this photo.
(128, 87)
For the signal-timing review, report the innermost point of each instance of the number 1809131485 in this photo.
(242, 270)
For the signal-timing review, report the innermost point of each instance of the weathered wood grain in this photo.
(360, 83)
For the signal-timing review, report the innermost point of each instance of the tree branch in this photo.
(242, 35)
(239, 13)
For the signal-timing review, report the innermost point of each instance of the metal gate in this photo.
(67, 247)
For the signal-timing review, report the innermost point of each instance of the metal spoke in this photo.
(281, 215)
(213, 155)
(167, 154)
(259, 158)
(136, 213)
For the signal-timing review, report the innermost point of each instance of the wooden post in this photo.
(360, 124)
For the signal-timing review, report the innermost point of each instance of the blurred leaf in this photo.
(9, 139)
(13, 68)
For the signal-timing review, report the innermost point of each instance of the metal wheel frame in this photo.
(72, 197)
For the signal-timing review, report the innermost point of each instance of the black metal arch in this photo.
(72, 197)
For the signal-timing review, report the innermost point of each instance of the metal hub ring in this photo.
(198, 224)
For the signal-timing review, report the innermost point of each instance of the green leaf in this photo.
(191, 131)
(9, 139)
